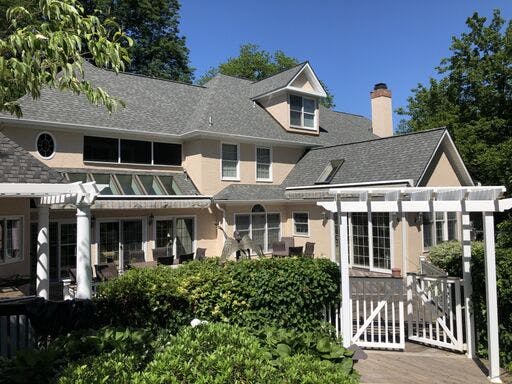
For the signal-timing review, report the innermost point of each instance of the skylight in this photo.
(329, 171)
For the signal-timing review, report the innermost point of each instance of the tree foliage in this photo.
(158, 49)
(46, 46)
(472, 97)
(256, 64)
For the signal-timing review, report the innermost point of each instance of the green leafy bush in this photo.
(220, 353)
(287, 293)
(144, 297)
(449, 257)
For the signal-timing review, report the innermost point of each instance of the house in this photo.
(180, 159)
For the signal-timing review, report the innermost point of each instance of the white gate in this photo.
(434, 311)
(377, 312)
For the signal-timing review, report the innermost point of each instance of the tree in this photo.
(256, 64)
(473, 99)
(158, 50)
(46, 48)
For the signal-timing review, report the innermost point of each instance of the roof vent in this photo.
(380, 86)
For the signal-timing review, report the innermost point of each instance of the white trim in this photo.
(270, 149)
(308, 223)
(237, 178)
(22, 257)
(54, 145)
(325, 186)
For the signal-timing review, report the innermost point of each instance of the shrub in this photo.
(449, 257)
(144, 297)
(220, 353)
(287, 293)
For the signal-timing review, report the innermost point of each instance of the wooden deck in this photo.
(421, 365)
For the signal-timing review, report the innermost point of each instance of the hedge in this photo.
(288, 293)
(448, 256)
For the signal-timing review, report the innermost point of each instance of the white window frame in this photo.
(54, 145)
(174, 218)
(433, 229)
(22, 256)
(309, 224)
(270, 178)
(370, 245)
(265, 239)
(302, 126)
(227, 178)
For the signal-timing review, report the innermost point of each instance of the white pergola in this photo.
(81, 195)
(400, 201)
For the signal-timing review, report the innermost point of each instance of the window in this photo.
(45, 144)
(151, 185)
(135, 152)
(263, 164)
(302, 112)
(442, 226)
(129, 185)
(373, 251)
(112, 189)
(177, 234)
(101, 149)
(230, 162)
(329, 171)
(11, 239)
(263, 228)
(107, 149)
(301, 223)
(67, 248)
(166, 154)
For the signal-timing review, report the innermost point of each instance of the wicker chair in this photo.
(185, 257)
(295, 251)
(279, 249)
(106, 272)
(309, 250)
(200, 253)
(165, 260)
(134, 257)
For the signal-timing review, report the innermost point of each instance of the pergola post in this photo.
(346, 309)
(468, 285)
(492, 299)
(83, 251)
(43, 257)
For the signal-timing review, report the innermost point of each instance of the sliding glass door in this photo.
(121, 242)
(175, 233)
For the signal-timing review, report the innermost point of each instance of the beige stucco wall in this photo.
(17, 207)
(302, 82)
(203, 164)
(382, 116)
(69, 149)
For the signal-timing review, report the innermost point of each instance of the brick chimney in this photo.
(382, 112)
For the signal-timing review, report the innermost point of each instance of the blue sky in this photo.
(351, 44)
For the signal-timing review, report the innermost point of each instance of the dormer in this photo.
(292, 97)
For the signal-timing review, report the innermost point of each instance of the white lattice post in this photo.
(346, 309)
(83, 252)
(468, 285)
(43, 254)
(492, 299)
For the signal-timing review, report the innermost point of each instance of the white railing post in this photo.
(492, 299)
(83, 253)
(409, 306)
(468, 285)
(346, 310)
(43, 253)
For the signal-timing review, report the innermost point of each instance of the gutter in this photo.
(410, 183)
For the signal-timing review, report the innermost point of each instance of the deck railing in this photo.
(16, 332)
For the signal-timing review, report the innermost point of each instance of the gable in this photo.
(303, 83)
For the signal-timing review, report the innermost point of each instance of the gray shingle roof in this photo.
(400, 157)
(19, 166)
(397, 157)
(277, 81)
(160, 106)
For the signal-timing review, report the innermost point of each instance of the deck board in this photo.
(420, 365)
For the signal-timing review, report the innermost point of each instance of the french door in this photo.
(175, 233)
(121, 241)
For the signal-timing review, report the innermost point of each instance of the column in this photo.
(346, 309)
(492, 299)
(43, 254)
(468, 285)
(83, 252)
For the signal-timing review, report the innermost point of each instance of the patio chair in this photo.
(295, 251)
(309, 250)
(185, 257)
(164, 260)
(72, 275)
(143, 264)
(200, 253)
(106, 272)
(134, 257)
(161, 252)
(279, 249)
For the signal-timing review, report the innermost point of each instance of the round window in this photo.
(45, 145)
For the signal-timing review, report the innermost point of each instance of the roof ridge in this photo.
(235, 77)
(146, 76)
(346, 113)
(381, 138)
(281, 71)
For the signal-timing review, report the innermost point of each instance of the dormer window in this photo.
(302, 112)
